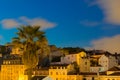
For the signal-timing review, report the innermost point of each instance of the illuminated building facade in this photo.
(12, 69)
(57, 72)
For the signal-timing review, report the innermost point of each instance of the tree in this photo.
(72, 50)
(33, 44)
(76, 67)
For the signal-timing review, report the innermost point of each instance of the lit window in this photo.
(51, 73)
(63, 73)
(56, 73)
(8, 62)
(4, 62)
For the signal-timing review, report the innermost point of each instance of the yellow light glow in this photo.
(21, 77)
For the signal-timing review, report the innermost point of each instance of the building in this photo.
(12, 68)
(62, 72)
(111, 74)
(39, 73)
(77, 66)
(84, 65)
(16, 50)
(58, 72)
(70, 58)
(96, 69)
(105, 61)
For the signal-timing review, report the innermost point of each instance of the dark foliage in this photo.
(73, 50)
(56, 59)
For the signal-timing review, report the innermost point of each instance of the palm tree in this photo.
(33, 44)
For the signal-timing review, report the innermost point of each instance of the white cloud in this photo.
(38, 21)
(89, 23)
(11, 23)
(111, 10)
(111, 44)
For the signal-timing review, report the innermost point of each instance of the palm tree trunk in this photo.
(29, 77)
(30, 74)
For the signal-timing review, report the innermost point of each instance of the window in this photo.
(4, 62)
(63, 73)
(68, 57)
(56, 73)
(84, 78)
(85, 63)
(33, 72)
(8, 62)
(92, 78)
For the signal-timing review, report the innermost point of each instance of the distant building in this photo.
(84, 65)
(105, 61)
(70, 58)
(111, 74)
(16, 50)
(96, 69)
(108, 61)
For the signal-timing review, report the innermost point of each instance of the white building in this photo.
(107, 61)
(96, 69)
(70, 58)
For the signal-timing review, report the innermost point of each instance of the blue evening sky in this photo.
(75, 23)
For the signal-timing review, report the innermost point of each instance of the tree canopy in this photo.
(33, 44)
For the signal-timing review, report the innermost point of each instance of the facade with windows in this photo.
(107, 62)
(84, 65)
(70, 58)
(58, 72)
(12, 69)
(96, 69)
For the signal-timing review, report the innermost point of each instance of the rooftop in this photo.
(114, 69)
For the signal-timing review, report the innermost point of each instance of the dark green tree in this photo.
(72, 50)
(33, 44)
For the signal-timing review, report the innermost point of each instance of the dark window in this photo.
(56, 73)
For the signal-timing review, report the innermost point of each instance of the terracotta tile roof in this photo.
(114, 69)
(115, 74)
(82, 73)
(38, 77)
(102, 73)
(59, 64)
(88, 73)
(71, 73)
